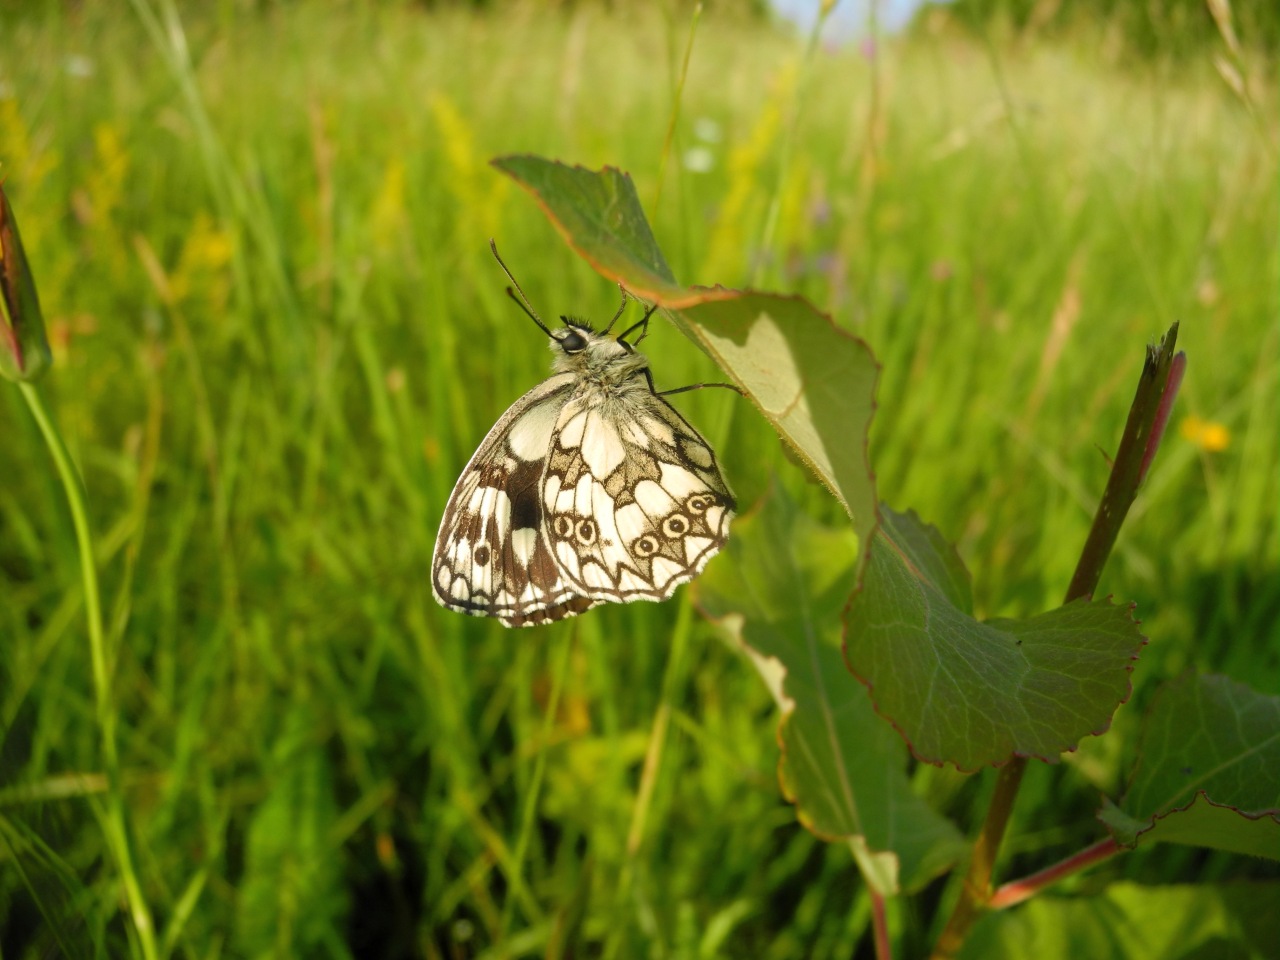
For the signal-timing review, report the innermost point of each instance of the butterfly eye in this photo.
(562, 527)
(573, 342)
(586, 532)
(698, 503)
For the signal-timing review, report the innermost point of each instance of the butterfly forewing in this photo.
(492, 557)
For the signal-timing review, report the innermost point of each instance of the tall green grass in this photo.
(278, 336)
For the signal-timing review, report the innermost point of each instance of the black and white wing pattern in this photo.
(633, 500)
(590, 488)
(492, 556)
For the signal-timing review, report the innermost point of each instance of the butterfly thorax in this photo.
(604, 365)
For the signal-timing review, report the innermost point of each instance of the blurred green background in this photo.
(260, 235)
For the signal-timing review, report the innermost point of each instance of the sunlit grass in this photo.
(279, 335)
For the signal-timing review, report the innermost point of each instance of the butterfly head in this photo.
(589, 353)
(599, 357)
(574, 337)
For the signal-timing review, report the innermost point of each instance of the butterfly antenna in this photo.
(521, 301)
(625, 297)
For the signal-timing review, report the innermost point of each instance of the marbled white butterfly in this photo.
(591, 487)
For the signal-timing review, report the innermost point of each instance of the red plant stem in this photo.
(1018, 890)
(880, 927)
(1137, 449)
(1157, 388)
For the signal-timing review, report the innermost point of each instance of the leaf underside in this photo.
(780, 595)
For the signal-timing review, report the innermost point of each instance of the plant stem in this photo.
(1130, 465)
(1016, 891)
(880, 926)
(116, 827)
(976, 892)
(1149, 410)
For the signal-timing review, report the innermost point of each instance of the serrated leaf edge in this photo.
(1056, 758)
(1153, 820)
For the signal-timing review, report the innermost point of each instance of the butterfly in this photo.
(590, 488)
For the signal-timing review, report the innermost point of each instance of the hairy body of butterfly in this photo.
(590, 488)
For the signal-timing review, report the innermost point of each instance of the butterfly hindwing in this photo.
(634, 504)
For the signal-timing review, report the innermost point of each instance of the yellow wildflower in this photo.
(206, 251)
(1208, 435)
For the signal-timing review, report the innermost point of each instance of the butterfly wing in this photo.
(633, 501)
(492, 555)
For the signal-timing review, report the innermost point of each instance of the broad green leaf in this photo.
(780, 594)
(1234, 921)
(599, 215)
(813, 381)
(291, 896)
(24, 349)
(1206, 772)
(927, 550)
(973, 693)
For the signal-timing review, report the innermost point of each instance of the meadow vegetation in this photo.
(261, 244)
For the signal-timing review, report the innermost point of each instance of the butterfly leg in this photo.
(642, 323)
(697, 386)
(648, 375)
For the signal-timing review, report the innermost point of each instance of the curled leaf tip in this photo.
(24, 350)
(1177, 368)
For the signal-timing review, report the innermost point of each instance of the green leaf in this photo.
(1202, 921)
(1206, 770)
(781, 594)
(599, 215)
(24, 349)
(974, 693)
(813, 381)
